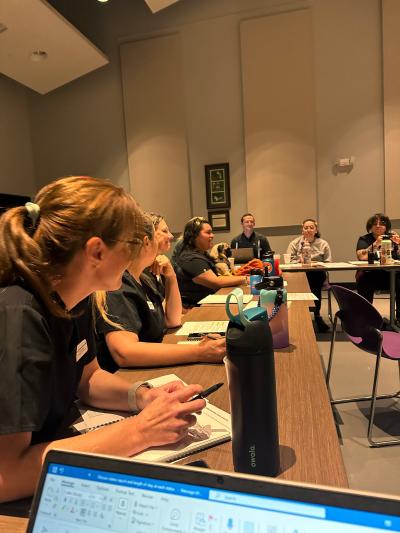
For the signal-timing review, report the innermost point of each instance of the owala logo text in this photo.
(252, 452)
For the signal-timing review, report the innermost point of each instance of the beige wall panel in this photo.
(391, 92)
(278, 102)
(17, 175)
(155, 127)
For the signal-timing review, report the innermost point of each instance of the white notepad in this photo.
(213, 427)
(302, 296)
(221, 299)
(340, 264)
(204, 326)
(362, 262)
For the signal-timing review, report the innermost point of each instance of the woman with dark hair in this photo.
(147, 303)
(77, 237)
(319, 251)
(368, 281)
(195, 268)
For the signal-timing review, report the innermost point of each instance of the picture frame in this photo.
(217, 185)
(219, 220)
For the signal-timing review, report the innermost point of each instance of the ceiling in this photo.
(30, 25)
(157, 5)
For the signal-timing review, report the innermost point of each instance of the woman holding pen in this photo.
(76, 238)
(148, 302)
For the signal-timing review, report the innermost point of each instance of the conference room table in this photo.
(334, 267)
(309, 445)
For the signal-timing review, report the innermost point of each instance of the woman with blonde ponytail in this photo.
(77, 237)
(148, 303)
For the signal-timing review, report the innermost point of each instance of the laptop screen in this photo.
(91, 500)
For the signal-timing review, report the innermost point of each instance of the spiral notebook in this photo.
(213, 427)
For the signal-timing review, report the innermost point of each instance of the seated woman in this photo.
(320, 251)
(368, 281)
(78, 237)
(196, 270)
(137, 308)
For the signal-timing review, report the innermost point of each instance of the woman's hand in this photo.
(169, 416)
(146, 395)
(395, 237)
(212, 350)
(378, 242)
(162, 266)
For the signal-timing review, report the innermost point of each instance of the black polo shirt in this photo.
(137, 307)
(41, 362)
(190, 264)
(255, 241)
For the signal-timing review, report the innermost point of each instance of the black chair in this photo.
(363, 324)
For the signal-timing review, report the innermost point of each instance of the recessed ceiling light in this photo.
(102, 1)
(38, 55)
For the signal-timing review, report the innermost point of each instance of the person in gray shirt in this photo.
(320, 251)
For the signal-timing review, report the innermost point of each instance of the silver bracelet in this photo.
(132, 403)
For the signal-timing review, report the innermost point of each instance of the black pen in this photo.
(207, 392)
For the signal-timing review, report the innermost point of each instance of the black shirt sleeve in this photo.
(234, 242)
(265, 246)
(364, 241)
(195, 264)
(26, 352)
(122, 310)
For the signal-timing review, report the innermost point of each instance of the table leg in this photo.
(393, 299)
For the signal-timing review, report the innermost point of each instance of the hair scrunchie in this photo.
(33, 211)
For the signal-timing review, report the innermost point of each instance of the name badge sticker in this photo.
(81, 349)
(151, 305)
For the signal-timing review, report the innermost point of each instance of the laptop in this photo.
(79, 493)
(242, 255)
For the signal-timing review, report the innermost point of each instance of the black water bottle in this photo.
(252, 391)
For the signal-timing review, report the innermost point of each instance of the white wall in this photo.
(349, 118)
(17, 173)
(80, 128)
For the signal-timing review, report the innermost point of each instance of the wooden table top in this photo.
(12, 524)
(334, 267)
(309, 447)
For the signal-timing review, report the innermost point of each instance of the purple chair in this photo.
(362, 324)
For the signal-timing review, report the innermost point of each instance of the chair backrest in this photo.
(359, 318)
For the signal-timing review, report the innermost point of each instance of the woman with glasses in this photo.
(148, 302)
(368, 281)
(77, 237)
(195, 268)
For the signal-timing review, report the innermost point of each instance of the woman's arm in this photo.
(327, 253)
(210, 280)
(362, 248)
(173, 301)
(292, 250)
(165, 420)
(128, 351)
(102, 389)
(362, 254)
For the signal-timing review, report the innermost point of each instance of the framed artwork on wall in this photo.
(219, 220)
(217, 186)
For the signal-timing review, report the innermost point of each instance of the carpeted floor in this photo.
(375, 469)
